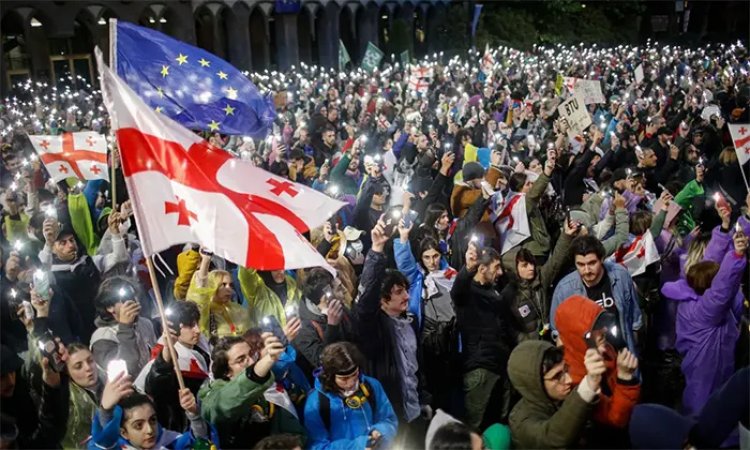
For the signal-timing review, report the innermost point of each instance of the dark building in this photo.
(44, 39)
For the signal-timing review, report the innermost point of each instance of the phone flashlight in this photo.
(115, 367)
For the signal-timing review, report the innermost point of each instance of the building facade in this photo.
(45, 39)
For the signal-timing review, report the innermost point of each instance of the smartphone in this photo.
(391, 221)
(115, 367)
(373, 443)
(49, 349)
(271, 324)
(291, 311)
(410, 217)
(590, 341)
(41, 285)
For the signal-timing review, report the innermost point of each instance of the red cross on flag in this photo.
(741, 138)
(638, 255)
(422, 72)
(419, 85)
(82, 155)
(508, 214)
(488, 60)
(186, 190)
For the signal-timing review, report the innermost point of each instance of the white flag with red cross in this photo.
(422, 72)
(741, 139)
(638, 255)
(82, 155)
(186, 190)
(418, 84)
(488, 61)
(508, 214)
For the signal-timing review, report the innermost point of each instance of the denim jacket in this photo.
(623, 291)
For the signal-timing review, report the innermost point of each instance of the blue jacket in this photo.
(413, 272)
(623, 290)
(350, 428)
(108, 436)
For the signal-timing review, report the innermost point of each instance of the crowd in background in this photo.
(617, 319)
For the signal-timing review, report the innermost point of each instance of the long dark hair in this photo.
(338, 358)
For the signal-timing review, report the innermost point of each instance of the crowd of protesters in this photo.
(438, 330)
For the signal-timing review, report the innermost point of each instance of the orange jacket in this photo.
(574, 318)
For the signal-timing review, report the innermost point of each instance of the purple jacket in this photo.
(707, 330)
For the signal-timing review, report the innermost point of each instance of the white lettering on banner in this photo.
(590, 90)
(575, 114)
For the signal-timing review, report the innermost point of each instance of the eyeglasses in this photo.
(559, 376)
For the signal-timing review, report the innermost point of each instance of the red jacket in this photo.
(575, 317)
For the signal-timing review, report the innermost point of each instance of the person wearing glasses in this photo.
(552, 412)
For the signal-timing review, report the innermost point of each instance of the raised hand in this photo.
(627, 364)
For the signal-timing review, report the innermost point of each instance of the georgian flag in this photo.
(82, 155)
(192, 363)
(186, 190)
(638, 255)
(508, 214)
(741, 139)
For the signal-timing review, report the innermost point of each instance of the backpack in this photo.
(324, 402)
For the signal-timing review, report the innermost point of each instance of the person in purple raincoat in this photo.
(708, 314)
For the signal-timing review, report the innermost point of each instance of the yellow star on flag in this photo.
(160, 92)
(229, 110)
(204, 63)
(214, 125)
(164, 71)
(158, 109)
(232, 93)
(222, 75)
(182, 59)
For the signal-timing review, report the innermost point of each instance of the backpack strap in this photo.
(324, 409)
(367, 390)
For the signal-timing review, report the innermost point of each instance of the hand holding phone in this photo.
(271, 324)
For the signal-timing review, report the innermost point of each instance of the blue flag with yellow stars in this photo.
(190, 85)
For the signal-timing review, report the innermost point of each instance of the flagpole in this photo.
(744, 177)
(113, 64)
(165, 327)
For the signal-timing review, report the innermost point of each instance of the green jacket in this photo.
(231, 405)
(347, 185)
(262, 301)
(539, 242)
(537, 421)
(82, 407)
(529, 301)
(685, 199)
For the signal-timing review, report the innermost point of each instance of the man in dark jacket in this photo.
(23, 423)
(324, 318)
(388, 338)
(483, 321)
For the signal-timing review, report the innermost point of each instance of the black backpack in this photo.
(325, 404)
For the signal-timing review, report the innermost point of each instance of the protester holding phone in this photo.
(121, 333)
(583, 325)
(348, 409)
(242, 401)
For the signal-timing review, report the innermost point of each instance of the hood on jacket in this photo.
(679, 290)
(575, 317)
(524, 366)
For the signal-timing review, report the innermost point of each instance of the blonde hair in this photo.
(695, 252)
(728, 156)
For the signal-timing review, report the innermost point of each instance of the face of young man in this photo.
(431, 259)
(398, 303)
(526, 270)
(239, 358)
(557, 382)
(590, 268)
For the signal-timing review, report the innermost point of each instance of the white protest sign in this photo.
(590, 90)
(574, 114)
(639, 73)
(710, 110)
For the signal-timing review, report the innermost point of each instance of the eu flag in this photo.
(190, 85)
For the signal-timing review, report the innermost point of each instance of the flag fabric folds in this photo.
(188, 84)
(186, 190)
(741, 140)
(508, 213)
(82, 155)
(638, 255)
(372, 58)
(344, 57)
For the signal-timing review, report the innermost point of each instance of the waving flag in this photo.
(638, 255)
(186, 190)
(509, 216)
(82, 155)
(189, 84)
(741, 139)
